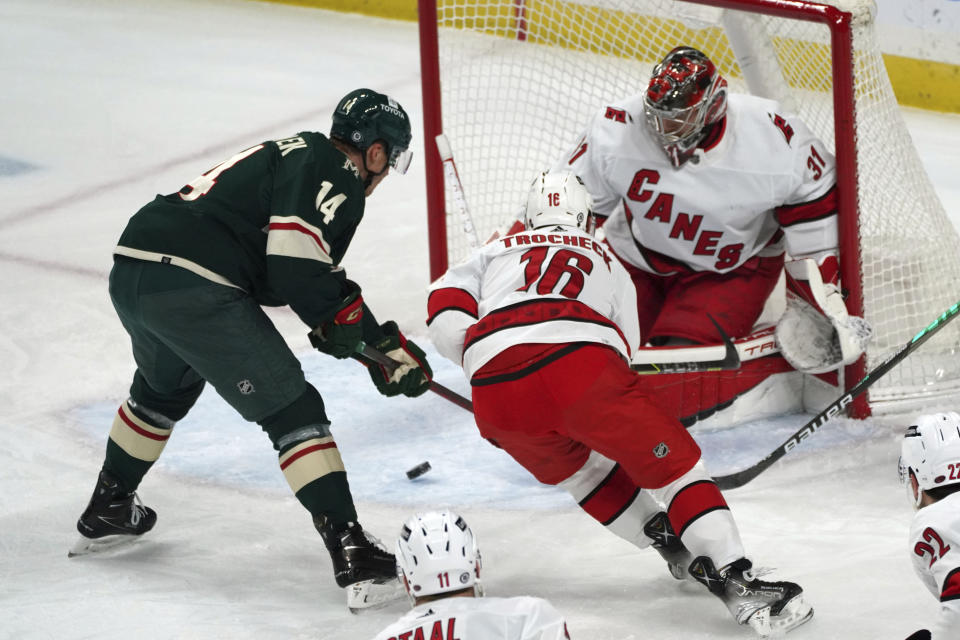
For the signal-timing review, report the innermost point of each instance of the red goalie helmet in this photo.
(685, 96)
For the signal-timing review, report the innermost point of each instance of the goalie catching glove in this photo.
(819, 335)
(341, 336)
(412, 375)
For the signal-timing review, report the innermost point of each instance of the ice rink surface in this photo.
(105, 104)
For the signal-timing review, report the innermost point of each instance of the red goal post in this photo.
(511, 83)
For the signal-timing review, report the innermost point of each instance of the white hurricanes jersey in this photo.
(520, 618)
(765, 171)
(551, 285)
(935, 550)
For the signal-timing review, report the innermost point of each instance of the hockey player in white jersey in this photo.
(930, 470)
(543, 323)
(702, 192)
(438, 562)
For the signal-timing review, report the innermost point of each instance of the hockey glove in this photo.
(341, 336)
(853, 333)
(815, 333)
(412, 377)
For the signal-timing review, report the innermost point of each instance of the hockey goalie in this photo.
(704, 196)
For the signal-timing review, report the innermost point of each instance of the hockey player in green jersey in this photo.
(268, 226)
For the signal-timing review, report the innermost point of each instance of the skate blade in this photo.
(87, 546)
(367, 595)
(793, 614)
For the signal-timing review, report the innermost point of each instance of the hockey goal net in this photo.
(512, 82)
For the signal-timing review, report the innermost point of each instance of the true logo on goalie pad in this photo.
(661, 450)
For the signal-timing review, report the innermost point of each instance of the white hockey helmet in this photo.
(931, 450)
(559, 197)
(437, 553)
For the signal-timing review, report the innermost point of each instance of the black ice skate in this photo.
(112, 517)
(668, 544)
(768, 607)
(357, 556)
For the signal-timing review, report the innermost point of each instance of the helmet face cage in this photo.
(931, 451)
(364, 117)
(559, 197)
(437, 553)
(685, 95)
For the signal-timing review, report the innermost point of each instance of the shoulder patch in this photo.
(781, 123)
(618, 115)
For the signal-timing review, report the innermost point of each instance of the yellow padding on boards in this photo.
(141, 440)
(309, 460)
(924, 84)
(917, 83)
(395, 9)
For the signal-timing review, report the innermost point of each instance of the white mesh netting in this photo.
(519, 79)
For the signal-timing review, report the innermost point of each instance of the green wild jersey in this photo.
(274, 220)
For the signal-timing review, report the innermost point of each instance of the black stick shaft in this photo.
(835, 408)
(371, 354)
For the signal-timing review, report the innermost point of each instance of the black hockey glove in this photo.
(341, 336)
(922, 634)
(412, 376)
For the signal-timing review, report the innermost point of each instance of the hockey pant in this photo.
(677, 305)
(186, 331)
(584, 422)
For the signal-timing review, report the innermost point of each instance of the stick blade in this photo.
(443, 146)
(729, 362)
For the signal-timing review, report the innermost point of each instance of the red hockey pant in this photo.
(678, 305)
(550, 418)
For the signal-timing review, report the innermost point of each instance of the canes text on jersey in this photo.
(436, 632)
(686, 226)
(569, 240)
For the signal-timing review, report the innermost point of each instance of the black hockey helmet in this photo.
(364, 117)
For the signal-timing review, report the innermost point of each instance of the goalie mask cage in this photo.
(513, 82)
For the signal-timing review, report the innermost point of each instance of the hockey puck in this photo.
(418, 470)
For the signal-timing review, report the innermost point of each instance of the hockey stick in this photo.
(730, 359)
(370, 354)
(740, 478)
(756, 345)
(453, 179)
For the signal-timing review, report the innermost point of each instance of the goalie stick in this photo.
(368, 353)
(740, 478)
(730, 359)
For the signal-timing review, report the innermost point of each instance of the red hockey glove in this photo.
(412, 377)
(341, 336)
